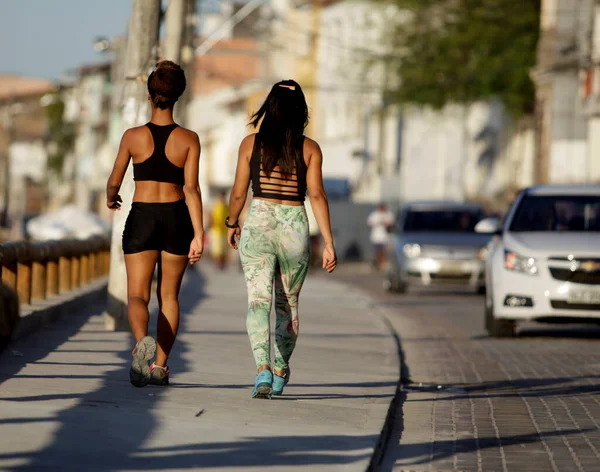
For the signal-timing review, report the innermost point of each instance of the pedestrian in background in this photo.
(218, 232)
(380, 221)
(164, 225)
(274, 247)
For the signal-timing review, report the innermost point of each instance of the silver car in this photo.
(437, 243)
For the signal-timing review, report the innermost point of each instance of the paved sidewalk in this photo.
(66, 402)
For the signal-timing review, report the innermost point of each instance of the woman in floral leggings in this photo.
(282, 165)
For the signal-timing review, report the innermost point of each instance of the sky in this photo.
(48, 38)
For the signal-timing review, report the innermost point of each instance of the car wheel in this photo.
(497, 328)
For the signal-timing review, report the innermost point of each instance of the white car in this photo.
(544, 263)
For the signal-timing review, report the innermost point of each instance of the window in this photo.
(440, 220)
(557, 213)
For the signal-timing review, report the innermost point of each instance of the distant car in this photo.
(545, 263)
(437, 243)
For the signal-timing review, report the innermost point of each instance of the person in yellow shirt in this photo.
(218, 232)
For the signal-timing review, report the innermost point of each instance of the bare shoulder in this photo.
(190, 137)
(311, 148)
(247, 145)
(135, 132)
(248, 142)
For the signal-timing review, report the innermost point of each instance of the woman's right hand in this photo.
(329, 258)
(196, 249)
(115, 203)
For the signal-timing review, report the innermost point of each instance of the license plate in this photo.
(455, 268)
(588, 297)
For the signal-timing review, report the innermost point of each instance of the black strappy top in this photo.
(158, 167)
(292, 189)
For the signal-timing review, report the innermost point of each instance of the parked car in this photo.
(545, 263)
(437, 243)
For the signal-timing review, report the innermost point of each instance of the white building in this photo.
(566, 30)
(414, 152)
(224, 91)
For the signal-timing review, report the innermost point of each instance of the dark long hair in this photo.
(284, 116)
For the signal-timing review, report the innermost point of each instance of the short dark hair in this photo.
(166, 83)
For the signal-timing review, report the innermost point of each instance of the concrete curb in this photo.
(395, 404)
(395, 407)
(40, 314)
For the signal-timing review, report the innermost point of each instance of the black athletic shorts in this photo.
(158, 226)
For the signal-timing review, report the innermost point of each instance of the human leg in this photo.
(170, 274)
(140, 268)
(293, 257)
(257, 253)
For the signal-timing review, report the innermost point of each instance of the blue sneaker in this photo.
(263, 385)
(280, 382)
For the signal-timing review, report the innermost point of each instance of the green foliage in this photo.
(61, 135)
(461, 51)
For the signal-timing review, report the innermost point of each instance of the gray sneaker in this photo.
(139, 372)
(159, 375)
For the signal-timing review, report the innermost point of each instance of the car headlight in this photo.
(412, 250)
(518, 263)
(483, 253)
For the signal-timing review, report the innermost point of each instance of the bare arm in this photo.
(191, 187)
(320, 206)
(113, 200)
(317, 195)
(239, 191)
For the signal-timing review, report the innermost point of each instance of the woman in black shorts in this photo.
(165, 222)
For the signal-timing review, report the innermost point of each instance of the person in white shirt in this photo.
(380, 221)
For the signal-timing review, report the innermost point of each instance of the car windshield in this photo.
(441, 220)
(557, 213)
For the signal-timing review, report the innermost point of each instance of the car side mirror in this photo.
(489, 226)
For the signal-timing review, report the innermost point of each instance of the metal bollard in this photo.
(64, 274)
(38, 281)
(24, 282)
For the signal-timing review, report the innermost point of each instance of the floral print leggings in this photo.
(274, 248)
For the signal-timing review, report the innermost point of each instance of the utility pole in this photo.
(180, 21)
(142, 44)
(174, 22)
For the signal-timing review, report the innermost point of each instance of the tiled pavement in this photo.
(526, 404)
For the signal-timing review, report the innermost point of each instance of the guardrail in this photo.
(40, 270)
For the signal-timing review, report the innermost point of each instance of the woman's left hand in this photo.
(196, 249)
(233, 236)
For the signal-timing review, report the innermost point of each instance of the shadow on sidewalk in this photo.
(518, 388)
(108, 428)
(428, 453)
(86, 431)
(310, 451)
(38, 345)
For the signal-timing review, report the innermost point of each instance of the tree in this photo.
(461, 51)
(61, 135)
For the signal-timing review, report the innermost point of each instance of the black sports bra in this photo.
(158, 167)
(292, 189)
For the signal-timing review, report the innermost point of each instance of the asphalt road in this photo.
(471, 402)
